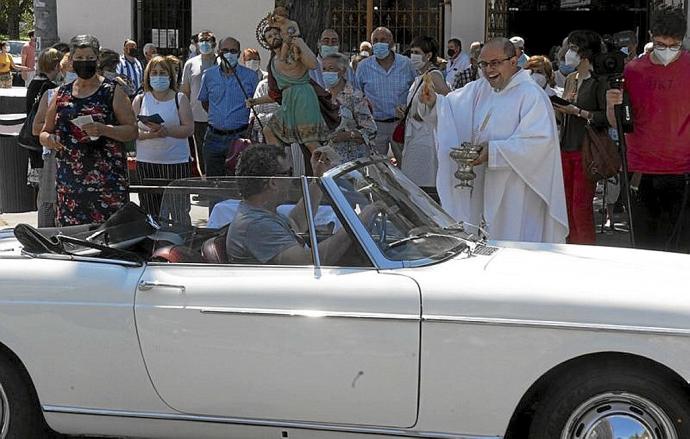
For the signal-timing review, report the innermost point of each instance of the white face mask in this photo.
(666, 56)
(417, 60)
(572, 59)
(253, 64)
(540, 79)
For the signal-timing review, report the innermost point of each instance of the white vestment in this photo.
(519, 193)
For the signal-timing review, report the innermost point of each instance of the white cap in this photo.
(518, 41)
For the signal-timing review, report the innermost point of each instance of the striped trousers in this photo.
(170, 205)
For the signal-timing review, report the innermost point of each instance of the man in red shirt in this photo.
(29, 59)
(659, 145)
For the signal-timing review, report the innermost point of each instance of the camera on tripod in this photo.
(610, 65)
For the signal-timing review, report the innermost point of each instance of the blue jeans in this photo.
(215, 151)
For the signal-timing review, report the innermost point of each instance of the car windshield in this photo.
(410, 226)
(16, 47)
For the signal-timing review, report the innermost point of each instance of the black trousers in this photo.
(661, 213)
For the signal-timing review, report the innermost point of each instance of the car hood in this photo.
(9, 246)
(562, 283)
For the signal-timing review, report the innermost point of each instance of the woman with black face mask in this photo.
(86, 124)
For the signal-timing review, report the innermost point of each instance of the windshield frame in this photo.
(372, 250)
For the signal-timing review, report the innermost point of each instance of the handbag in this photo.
(600, 156)
(398, 135)
(26, 138)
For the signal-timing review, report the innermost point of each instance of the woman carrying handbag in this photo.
(419, 158)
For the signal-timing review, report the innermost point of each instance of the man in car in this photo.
(258, 234)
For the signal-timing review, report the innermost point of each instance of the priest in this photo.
(518, 194)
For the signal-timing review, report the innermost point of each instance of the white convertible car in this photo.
(413, 327)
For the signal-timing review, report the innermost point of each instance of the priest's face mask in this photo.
(497, 66)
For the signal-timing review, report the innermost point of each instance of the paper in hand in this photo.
(83, 120)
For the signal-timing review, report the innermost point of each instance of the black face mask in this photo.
(451, 53)
(85, 69)
(133, 53)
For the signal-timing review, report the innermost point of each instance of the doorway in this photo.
(165, 23)
(544, 23)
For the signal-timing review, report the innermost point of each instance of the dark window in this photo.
(165, 23)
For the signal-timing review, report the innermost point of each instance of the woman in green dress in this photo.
(299, 119)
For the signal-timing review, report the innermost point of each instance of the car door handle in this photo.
(146, 285)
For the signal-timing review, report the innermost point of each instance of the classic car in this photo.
(418, 327)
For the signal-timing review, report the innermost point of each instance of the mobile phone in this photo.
(559, 101)
(154, 118)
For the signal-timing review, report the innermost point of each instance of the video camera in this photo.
(611, 63)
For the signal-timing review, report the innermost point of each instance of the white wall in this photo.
(108, 20)
(236, 18)
(467, 21)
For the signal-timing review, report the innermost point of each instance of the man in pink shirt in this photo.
(29, 59)
(659, 145)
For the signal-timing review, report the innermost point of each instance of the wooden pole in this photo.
(370, 18)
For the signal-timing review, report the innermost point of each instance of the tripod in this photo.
(624, 122)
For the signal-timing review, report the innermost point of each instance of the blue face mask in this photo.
(330, 79)
(566, 69)
(160, 83)
(324, 51)
(381, 50)
(205, 47)
(70, 77)
(231, 58)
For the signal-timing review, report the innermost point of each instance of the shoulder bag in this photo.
(600, 156)
(398, 135)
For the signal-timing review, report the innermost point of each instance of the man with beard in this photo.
(299, 119)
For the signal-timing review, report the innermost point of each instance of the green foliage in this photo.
(12, 13)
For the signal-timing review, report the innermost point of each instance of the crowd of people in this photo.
(531, 115)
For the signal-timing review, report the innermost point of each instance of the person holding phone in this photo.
(586, 93)
(165, 122)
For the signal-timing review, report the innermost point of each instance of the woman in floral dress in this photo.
(91, 160)
(357, 130)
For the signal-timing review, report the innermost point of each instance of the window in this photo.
(165, 23)
(250, 221)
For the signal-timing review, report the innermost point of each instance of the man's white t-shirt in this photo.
(191, 74)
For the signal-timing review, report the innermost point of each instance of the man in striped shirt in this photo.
(130, 67)
(385, 79)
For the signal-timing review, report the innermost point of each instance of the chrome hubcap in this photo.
(619, 415)
(4, 414)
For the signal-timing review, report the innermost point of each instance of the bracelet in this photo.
(579, 112)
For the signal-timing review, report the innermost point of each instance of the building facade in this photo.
(170, 23)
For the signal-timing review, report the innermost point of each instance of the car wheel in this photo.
(20, 417)
(607, 403)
